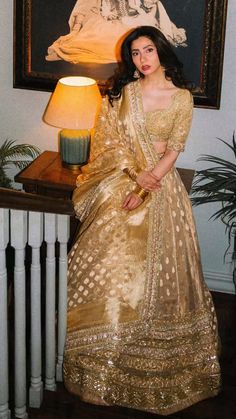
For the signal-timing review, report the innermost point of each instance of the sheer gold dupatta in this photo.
(114, 147)
(121, 140)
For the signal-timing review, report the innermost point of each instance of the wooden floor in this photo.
(62, 405)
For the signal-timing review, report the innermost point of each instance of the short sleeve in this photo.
(182, 122)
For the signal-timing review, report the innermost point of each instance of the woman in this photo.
(90, 36)
(97, 25)
(176, 36)
(142, 329)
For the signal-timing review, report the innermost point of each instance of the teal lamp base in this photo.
(74, 148)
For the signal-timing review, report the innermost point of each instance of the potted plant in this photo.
(18, 155)
(218, 184)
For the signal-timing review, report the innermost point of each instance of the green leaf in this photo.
(18, 155)
(217, 184)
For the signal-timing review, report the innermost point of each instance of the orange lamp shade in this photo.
(74, 104)
(74, 107)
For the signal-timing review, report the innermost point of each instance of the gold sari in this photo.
(142, 330)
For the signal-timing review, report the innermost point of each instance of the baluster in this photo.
(35, 238)
(63, 237)
(4, 384)
(50, 238)
(18, 241)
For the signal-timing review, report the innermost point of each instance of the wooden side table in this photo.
(46, 176)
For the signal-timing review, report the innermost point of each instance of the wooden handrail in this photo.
(12, 199)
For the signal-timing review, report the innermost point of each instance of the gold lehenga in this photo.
(142, 330)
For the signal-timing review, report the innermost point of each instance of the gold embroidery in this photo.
(142, 330)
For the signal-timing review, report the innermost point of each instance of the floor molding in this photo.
(219, 281)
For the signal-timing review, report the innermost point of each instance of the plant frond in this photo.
(18, 155)
(218, 160)
(225, 213)
(209, 198)
(214, 186)
(232, 147)
(5, 181)
(20, 164)
(234, 144)
(218, 184)
(11, 151)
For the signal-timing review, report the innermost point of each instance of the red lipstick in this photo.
(145, 67)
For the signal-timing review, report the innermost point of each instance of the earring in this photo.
(136, 74)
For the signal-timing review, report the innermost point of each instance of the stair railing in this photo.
(28, 224)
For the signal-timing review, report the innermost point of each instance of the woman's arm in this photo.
(178, 137)
(165, 164)
(151, 180)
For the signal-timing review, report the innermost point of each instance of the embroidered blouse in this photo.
(172, 124)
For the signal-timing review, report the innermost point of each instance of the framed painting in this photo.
(57, 38)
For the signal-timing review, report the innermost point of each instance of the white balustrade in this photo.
(18, 241)
(32, 228)
(63, 237)
(4, 382)
(50, 238)
(35, 239)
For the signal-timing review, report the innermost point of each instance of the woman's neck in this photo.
(152, 81)
(156, 79)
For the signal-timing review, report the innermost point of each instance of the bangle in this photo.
(131, 172)
(142, 193)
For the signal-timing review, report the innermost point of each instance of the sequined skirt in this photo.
(142, 330)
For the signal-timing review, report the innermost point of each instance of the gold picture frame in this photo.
(37, 24)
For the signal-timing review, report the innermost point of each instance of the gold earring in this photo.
(136, 74)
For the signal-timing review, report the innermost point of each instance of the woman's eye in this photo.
(134, 53)
(150, 49)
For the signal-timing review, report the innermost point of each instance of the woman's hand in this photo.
(148, 181)
(131, 201)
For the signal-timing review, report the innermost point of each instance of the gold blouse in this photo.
(171, 125)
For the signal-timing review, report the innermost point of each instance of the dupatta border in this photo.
(155, 233)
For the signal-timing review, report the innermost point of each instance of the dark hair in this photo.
(168, 59)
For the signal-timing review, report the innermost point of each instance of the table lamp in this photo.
(74, 106)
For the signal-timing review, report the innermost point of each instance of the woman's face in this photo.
(145, 56)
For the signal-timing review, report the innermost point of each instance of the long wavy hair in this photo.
(126, 68)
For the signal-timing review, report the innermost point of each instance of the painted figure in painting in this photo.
(97, 25)
(141, 325)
